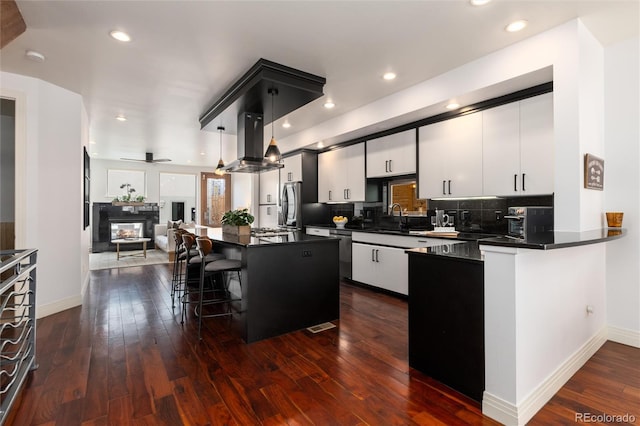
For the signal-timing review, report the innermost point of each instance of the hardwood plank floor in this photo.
(123, 358)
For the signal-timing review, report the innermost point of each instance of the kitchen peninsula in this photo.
(529, 311)
(289, 281)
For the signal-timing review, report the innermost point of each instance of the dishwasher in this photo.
(345, 251)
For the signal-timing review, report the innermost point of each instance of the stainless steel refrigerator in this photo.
(291, 205)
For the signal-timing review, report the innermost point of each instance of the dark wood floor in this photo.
(125, 359)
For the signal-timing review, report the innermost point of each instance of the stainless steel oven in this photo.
(524, 221)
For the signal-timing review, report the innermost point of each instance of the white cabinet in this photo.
(379, 266)
(292, 170)
(501, 149)
(380, 260)
(537, 158)
(392, 155)
(341, 175)
(518, 156)
(268, 216)
(450, 158)
(269, 184)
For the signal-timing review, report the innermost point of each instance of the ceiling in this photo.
(185, 54)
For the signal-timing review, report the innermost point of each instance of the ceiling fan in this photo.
(148, 159)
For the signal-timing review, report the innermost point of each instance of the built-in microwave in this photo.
(525, 221)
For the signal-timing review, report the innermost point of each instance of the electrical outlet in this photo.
(498, 215)
(306, 253)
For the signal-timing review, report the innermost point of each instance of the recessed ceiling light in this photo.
(320, 145)
(34, 56)
(92, 142)
(479, 2)
(286, 124)
(121, 118)
(189, 161)
(329, 104)
(516, 26)
(453, 105)
(202, 153)
(389, 75)
(120, 35)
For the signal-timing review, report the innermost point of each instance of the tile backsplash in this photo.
(486, 216)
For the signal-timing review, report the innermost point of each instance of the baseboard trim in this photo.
(624, 336)
(58, 306)
(510, 414)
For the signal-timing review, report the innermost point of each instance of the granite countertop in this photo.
(558, 239)
(462, 236)
(291, 237)
(467, 250)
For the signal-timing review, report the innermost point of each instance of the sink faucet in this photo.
(393, 206)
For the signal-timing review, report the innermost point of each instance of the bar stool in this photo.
(178, 263)
(210, 268)
(190, 278)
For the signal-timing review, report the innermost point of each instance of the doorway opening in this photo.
(215, 198)
(7, 173)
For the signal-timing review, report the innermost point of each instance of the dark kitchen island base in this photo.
(446, 320)
(289, 282)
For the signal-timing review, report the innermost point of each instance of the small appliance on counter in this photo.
(526, 221)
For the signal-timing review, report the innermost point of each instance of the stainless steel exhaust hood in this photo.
(248, 101)
(250, 146)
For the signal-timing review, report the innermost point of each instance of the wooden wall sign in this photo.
(593, 172)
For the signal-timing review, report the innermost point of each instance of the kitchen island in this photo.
(289, 281)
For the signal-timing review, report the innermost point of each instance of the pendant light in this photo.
(220, 169)
(273, 153)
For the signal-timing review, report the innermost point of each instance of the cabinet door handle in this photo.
(268, 211)
(449, 187)
(523, 188)
(373, 255)
(290, 176)
(444, 191)
(329, 195)
(268, 198)
(390, 171)
(377, 251)
(515, 182)
(348, 194)
(386, 166)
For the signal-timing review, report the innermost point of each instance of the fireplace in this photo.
(114, 222)
(126, 230)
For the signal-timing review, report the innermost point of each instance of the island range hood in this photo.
(250, 146)
(250, 103)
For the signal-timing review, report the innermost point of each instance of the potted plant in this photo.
(128, 199)
(237, 222)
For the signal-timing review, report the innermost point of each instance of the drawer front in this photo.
(322, 232)
(395, 240)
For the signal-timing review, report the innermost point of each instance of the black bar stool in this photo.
(210, 268)
(178, 264)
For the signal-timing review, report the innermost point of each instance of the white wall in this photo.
(622, 188)
(241, 183)
(50, 197)
(537, 328)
